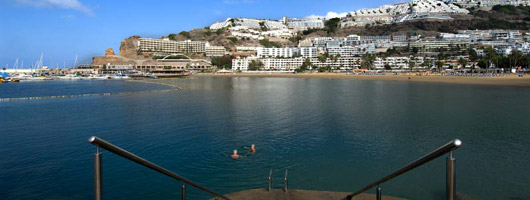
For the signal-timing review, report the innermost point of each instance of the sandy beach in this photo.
(509, 80)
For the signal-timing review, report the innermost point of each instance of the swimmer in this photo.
(252, 148)
(235, 156)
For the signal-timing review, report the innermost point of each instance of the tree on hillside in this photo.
(331, 25)
(172, 36)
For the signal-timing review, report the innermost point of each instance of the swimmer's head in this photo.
(235, 152)
(252, 145)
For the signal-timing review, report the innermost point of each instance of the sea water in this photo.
(331, 134)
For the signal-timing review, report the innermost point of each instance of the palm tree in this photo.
(491, 56)
(515, 57)
(440, 65)
(473, 57)
(368, 60)
(462, 62)
(426, 64)
(412, 63)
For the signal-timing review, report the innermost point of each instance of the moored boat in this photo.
(170, 73)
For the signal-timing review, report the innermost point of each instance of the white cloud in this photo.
(68, 17)
(62, 4)
(329, 15)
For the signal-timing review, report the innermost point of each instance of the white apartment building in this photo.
(241, 48)
(397, 62)
(240, 64)
(158, 45)
(436, 45)
(290, 64)
(215, 51)
(308, 52)
(278, 52)
(189, 46)
(352, 50)
(168, 46)
(302, 25)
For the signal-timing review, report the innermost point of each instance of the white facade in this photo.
(308, 52)
(352, 50)
(215, 51)
(169, 46)
(306, 24)
(278, 52)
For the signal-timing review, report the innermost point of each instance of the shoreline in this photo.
(509, 80)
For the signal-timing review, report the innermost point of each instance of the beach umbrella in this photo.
(5, 74)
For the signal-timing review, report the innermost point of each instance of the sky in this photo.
(62, 29)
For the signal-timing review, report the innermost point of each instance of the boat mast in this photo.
(75, 61)
(16, 65)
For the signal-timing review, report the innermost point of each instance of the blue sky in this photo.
(63, 28)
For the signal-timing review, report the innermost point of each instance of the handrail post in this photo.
(451, 177)
(378, 193)
(440, 151)
(98, 192)
(184, 192)
(139, 160)
(286, 182)
(270, 181)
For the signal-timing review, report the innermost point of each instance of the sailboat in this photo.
(71, 76)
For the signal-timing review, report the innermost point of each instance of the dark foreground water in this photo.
(336, 135)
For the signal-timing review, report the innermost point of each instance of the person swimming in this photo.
(235, 156)
(253, 148)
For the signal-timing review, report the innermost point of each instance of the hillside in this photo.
(499, 17)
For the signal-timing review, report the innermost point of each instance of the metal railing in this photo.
(123, 153)
(450, 173)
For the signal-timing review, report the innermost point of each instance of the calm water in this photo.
(336, 135)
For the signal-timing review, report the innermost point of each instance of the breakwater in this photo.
(87, 95)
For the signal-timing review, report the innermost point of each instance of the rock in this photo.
(129, 47)
(109, 52)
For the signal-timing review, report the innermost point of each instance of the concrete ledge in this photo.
(278, 194)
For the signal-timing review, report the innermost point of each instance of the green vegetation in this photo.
(255, 65)
(185, 34)
(506, 9)
(331, 25)
(295, 39)
(208, 32)
(368, 61)
(219, 31)
(224, 62)
(312, 30)
(269, 44)
(172, 36)
(262, 26)
(305, 66)
(233, 39)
